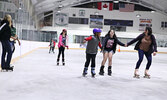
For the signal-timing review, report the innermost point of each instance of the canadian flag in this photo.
(105, 6)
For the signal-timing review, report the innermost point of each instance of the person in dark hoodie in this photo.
(109, 45)
(5, 41)
(146, 45)
(91, 50)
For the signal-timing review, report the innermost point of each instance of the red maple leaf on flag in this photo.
(105, 6)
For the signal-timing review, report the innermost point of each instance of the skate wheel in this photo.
(84, 75)
(101, 74)
(146, 77)
(136, 77)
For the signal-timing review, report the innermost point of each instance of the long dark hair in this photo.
(108, 34)
(149, 30)
(62, 33)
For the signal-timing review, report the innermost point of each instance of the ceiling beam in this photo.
(140, 2)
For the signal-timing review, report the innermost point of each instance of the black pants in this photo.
(6, 49)
(91, 57)
(61, 51)
(51, 49)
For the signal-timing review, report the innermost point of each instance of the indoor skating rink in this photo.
(37, 77)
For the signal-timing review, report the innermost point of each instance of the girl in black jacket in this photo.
(109, 48)
(146, 45)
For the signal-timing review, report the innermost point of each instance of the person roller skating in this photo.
(52, 45)
(91, 51)
(5, 41)
(109, 45)
(146, 45)
(63, 39)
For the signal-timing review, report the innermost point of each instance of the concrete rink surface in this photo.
(37, 77)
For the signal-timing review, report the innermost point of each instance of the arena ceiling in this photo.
(47, 5)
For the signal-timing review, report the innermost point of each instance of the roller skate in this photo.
(85, 71)
(57, 62)
(136, 76)
(63, 62)
(146, 76)
(93, 72)
(101, 70)
(109, 71)
(7, 69)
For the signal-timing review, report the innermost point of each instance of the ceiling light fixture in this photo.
(116, 1)
(138, 15)
(60, 6)
(96, 13)
(152, 11)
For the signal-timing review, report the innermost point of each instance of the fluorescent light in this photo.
(60, 6)
(152, 11)
(96, 13)
(116, 1)
(138, 15)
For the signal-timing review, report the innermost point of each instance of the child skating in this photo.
(91, 51)
(109, 48)
(63, 42)
(52, 46)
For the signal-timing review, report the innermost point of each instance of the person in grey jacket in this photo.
(91, 50)
(146, 45)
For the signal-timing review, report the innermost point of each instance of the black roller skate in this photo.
(57, 62)
(6, 69)
(101, 70)
(63, 62)
(93, 72)
(109, 71)
(85, 71)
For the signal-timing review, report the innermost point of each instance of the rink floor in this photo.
(37, 77)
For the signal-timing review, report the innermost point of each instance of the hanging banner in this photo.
(144, 23)
(96, 21)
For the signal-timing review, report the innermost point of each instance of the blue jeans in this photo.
(6, 49)
(141, 55)
(12, 46)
